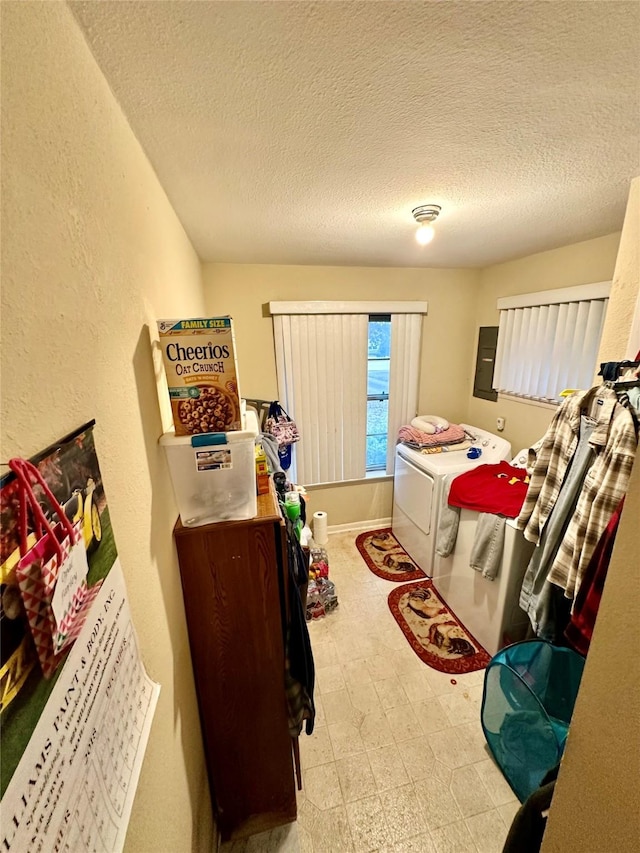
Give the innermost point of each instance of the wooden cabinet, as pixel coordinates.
(231, 583)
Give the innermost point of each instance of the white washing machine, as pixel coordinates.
(417, 490)
(489, 609)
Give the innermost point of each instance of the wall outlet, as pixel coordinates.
(500, 424)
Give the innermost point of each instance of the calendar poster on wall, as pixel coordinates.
(76, 703)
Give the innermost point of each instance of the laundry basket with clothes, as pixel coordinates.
(530, 689)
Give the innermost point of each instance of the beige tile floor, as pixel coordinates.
(397, 761)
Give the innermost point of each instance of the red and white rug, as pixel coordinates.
(433, 631)
(386, 557)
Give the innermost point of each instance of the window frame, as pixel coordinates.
(373, 469)
(580, 294)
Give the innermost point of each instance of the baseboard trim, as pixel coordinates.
(370, 524)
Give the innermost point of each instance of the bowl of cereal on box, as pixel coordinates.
(207, 409)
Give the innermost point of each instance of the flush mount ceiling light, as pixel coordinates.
(424, 216)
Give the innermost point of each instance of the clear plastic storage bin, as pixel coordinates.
(213, 475)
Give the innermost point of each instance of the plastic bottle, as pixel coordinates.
(292, 505)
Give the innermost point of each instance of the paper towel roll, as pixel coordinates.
(320, 535)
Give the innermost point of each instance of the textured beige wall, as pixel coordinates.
(595, 805)
(446, 368)
(581, 263)
(459, 302)
(351, 504)
(243, 289)
(625, 291)
(92, 253)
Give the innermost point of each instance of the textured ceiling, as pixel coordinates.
(305, 132)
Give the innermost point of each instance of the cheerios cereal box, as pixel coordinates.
(200, 362)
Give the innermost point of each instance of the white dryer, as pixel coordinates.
(417, 490)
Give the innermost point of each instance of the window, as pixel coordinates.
(378, 363)
(548, 342)
(348, 375)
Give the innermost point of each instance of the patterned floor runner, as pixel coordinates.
(386, 557)
(434, 633)
(432, 630)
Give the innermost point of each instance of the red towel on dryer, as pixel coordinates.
(498, 489)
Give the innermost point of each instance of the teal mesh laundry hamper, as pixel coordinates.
(530, 689)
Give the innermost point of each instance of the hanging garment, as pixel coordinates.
(614, 442)
(488, 545)
(580, 629)
(633, 395)
(537, 596)
(299, 665)
(498, 489)
(553, 455)
(605, 485)
(488, 540)
(270, 446)
(448, 521)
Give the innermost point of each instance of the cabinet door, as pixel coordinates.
(232, 599)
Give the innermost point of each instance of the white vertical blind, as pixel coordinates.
(321, 361)
(406, 334)
(543, 349)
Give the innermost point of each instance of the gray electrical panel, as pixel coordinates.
(485, 362)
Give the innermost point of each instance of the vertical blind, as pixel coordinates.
(406, 334)
(546, 348)
(321, 362)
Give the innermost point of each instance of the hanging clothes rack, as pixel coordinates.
(621, 377)
(616, 372)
